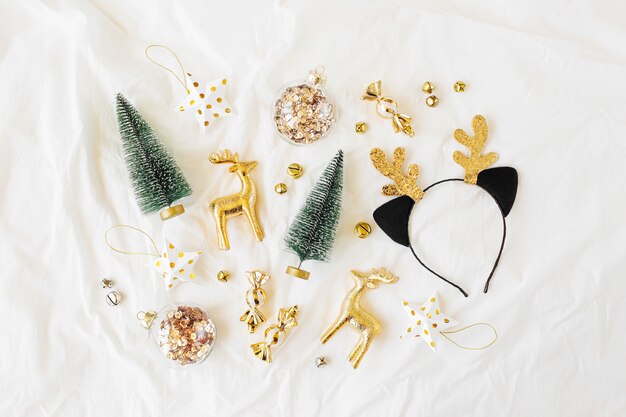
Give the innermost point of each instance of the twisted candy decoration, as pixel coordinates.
(275, 334)
(388, 108)
(255, 297)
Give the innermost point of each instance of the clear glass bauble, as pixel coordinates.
(183, 333)
(302, 112)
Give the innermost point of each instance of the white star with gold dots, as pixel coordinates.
(427, 321)
(174, 265)
(207, 106)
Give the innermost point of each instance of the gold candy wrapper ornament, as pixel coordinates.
(275, 334)
(183, 333)
(352, 313)
(302, 113)
(255, 297)
(388, 109)
(243, 202)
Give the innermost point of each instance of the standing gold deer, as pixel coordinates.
(352, 312)
(233, 205)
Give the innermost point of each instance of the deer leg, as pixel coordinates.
(367, 341)
(356, 348)
(250, 212)
(222, 237)
(333, 329)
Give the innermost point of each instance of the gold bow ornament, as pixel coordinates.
(275, 334)
(388, 108)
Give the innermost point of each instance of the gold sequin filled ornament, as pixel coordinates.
(303, 113)
(183, 333)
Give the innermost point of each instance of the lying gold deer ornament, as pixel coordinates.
(233, 205)
(353, 313)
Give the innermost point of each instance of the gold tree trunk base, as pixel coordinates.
(171, 212)
(298, 273)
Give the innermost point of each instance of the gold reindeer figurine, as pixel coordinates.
(352, 312)
(233, 205)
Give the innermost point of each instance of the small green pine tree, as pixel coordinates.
(157, 180)
(312, 234)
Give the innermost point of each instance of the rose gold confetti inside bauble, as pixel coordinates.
(303, 113)
(184, 334)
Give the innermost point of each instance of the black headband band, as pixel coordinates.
(393, 217)
(499, 183)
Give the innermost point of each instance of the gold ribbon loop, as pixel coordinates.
(183, 82)
(495, 336)
(106, 239)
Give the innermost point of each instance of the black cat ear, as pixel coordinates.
(501, 183)
(393, 218)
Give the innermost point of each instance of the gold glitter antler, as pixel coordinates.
(404, 184)
(226, 157)
(476, 161)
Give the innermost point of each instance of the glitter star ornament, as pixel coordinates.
(208, 104)
(426, 322)
(174, 265)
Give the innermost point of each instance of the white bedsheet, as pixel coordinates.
(549, 76)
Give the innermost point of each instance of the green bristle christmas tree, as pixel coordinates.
(157, 180)
(312, 234)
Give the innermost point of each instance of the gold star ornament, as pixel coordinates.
(174, 265)
(207, 105)
(426, 321)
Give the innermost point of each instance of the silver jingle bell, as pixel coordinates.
(114, 298)
(320, 362)
(106, 283)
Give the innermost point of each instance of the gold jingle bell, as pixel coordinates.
(459, 86)
(295, 170)
(361, 127)
(223, 276)
(172, 212)
(432, 101)
(280, 188)
(362, 230)
(427, 87)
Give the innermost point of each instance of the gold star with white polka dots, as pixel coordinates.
(174, 265)
(427, 321)
(208, 106)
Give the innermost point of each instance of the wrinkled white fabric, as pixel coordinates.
(550, 77)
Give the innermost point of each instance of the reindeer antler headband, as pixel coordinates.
(500, 183)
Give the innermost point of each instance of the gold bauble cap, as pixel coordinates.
(297, 272)
(173, 211)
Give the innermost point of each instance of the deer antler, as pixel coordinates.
(384, 275)
(476, 161)
(404, 184)
(227, 157)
